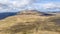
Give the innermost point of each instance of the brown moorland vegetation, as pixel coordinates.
(30, 22)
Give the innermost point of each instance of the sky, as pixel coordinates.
(19, 5)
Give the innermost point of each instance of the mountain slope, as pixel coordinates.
(28, 23)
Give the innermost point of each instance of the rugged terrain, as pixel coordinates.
(30, 22)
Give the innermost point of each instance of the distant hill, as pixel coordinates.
(6, 14)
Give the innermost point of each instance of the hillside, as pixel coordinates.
(29, 22)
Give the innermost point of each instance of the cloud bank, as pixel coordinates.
(18, 5)
(14, 4)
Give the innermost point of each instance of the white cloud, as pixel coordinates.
(28, 4)
(21, 3)
(50, 5)
(1, 8)
(46, 6)
(14, 4)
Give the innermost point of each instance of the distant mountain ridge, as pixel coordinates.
(33, 12)
(6, 14)
(24, 12)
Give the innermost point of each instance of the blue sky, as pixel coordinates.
(18, 5)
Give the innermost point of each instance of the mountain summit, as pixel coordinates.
(30, 12)
(33, 12)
